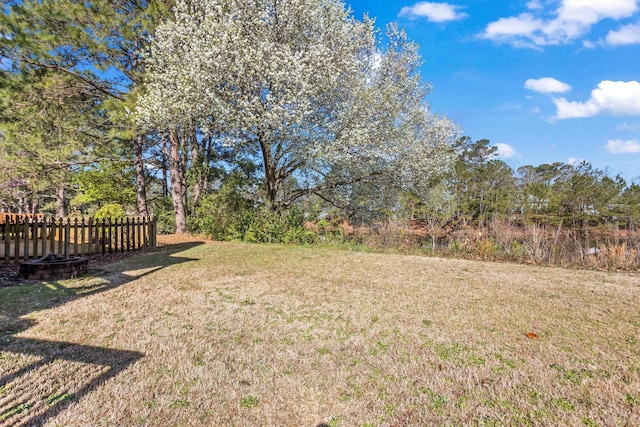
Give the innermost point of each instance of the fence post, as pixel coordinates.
(7, 242)
(16, 246)
(33, 225)
(43, 235)
(25, 238)
(91, 230)
(151, 222)
(125, 235)
(115, 235)
(67, 237)
(60, 235)
(145, 232)
(75, 237)
(82, 236)
(122, 245)
(52, 236)
(133, 234)
(102, 239)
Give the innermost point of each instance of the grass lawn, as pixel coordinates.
(201, 334)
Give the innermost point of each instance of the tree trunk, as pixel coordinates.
(61, 205)
(177, 183)
(141, 191)
(197, 165)
(184, 162)
(34, 205)
(270, 177)
(165, 167)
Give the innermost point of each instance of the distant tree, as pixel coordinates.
(630, 206)
(435, 208)
(539, 201)
(482, 184)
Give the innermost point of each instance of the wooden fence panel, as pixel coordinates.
(25, 238)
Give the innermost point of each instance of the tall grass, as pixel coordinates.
(502, 240)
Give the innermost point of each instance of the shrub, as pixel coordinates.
(165, 219)
(110, 211)
(223, 221)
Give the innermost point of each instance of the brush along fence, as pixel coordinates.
(29, 238)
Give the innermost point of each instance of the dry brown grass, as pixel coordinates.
(259, 335)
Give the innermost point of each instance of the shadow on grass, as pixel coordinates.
(40, 378)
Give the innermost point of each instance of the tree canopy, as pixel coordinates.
(314, 94)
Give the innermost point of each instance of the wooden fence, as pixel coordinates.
(8, 217)
(25, 238)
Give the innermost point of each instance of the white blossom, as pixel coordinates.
(303, 82)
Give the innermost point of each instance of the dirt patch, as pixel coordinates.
(175, 239)
(9, 273)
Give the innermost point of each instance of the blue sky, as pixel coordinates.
(544, 80)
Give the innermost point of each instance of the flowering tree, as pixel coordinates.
(302, 86)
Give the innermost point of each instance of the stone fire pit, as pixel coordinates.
(53, 267)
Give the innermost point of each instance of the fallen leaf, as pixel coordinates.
(532, 335)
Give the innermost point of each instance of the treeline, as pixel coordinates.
(168, 108)
(553, 214)
(550, 214)
(481, 188)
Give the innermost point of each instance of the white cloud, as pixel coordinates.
(434, 12)
(628, 34)
(506, 151)
(534, 4)
(547, 85)
(571, 20)
(614, 98)
(574, 161)
(516, 30)
(618, 146)
(629, 126)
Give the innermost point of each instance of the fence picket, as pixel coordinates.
(17, 241)
(115, 235)
(25, 237)
(7, 242)
(122, 249)
(132, 234)
(60, 235)
(33, 225)
(43, 235)
(75, 237)
(52, 237)
(91, 231)
(82, 237)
